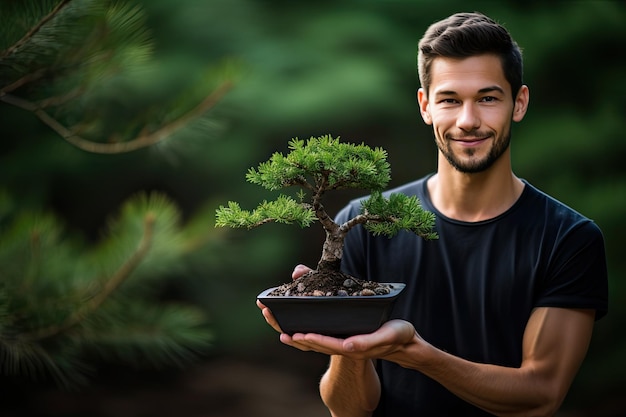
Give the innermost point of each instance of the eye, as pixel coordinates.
(488, 99)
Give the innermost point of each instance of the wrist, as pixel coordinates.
(356, 365)
(416, 354)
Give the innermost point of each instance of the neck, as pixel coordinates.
(475, 197)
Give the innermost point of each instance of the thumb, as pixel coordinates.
(393, 332)
(300, 270)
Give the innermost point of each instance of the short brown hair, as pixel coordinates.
(463, 35)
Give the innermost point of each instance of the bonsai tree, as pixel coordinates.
(317, 166)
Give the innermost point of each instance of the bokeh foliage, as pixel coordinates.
(348, 68)
(63, 298)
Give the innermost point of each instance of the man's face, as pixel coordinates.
(471, 108)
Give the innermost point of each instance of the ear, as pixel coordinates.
(521, 103)
(422, 100)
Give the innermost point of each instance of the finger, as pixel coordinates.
(269, 317)
(288, 340)
(314, 342)
(331, 343)
(393, 332)
(299, 270)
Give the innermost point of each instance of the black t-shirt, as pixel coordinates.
(471, 292)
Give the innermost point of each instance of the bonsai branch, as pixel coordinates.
(302, 182)
(366, 218)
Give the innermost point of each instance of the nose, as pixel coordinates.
(468, 118)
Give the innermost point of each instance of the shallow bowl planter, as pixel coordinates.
(339, 316)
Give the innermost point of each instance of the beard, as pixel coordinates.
(474, 165)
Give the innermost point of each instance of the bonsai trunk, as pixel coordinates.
(327, 279)
(332, 250)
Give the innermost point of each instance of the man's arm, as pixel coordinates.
(555, 344)
(350, 387)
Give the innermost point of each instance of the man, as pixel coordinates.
(498, 312)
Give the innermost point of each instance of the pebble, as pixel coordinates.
(367, 292)
(349, 283)
(382, 290)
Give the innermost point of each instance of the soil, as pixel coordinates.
(330, 283)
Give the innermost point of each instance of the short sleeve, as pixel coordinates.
(577, 275)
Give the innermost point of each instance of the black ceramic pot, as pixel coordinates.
(339, 316)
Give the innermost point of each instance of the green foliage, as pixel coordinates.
(130, 329)
(396, 213)
(73, 64)
(322, 164)
(78, 67)
(283, 210)
(61, 299)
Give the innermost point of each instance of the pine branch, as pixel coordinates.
(28, 78)
(35, 29)
(178, 331)
(139, 142)
(282, 210)
(123, 36)
(110, 286)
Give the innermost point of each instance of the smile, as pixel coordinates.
(470, 141)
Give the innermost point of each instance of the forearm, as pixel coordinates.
(350, 388)
(499, 390)
(555, 343)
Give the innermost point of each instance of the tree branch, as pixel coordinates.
(24, 80)
(35, 29)
(360, 219)
(139, 142)
(301, 181)
(111, 285)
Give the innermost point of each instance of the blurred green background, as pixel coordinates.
(348, 68)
